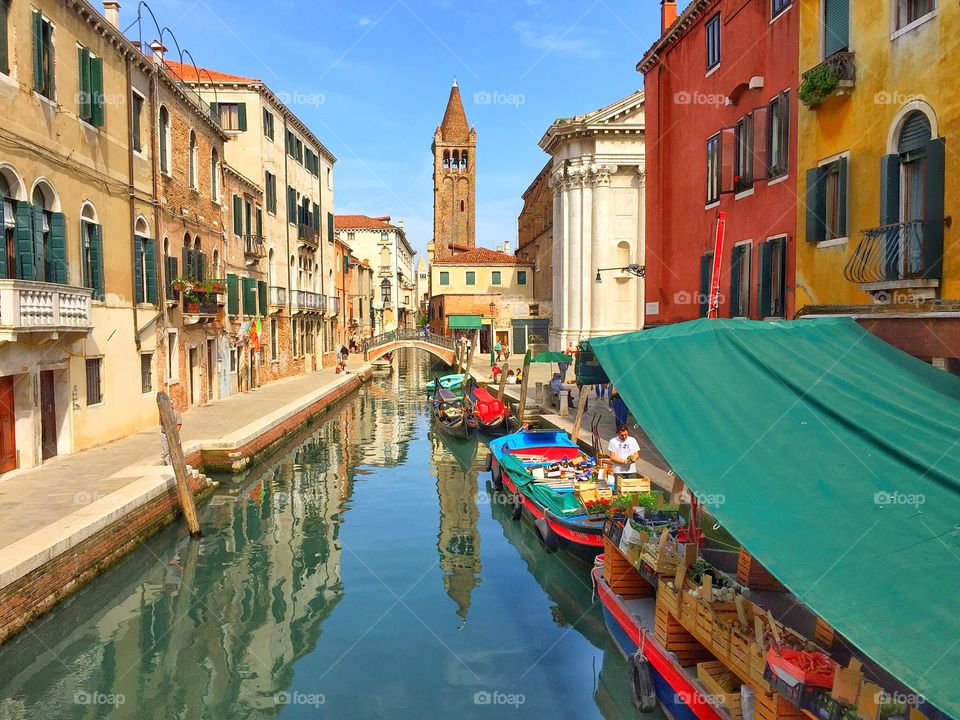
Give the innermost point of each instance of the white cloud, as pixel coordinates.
(565, 41)
(365, 21)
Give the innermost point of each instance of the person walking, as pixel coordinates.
(344, 354)
(498, 348)
(619, 407)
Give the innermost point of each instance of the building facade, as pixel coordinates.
(597, 180)
(384, 246)
(877, 178)
(535, 233)
(454, 180)
(726, 72)
(361, 298)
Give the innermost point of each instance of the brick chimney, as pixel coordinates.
(111, 11)
(668, 14)
(158, 51)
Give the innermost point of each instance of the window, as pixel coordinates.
(740, 281)
(299, 150)
(909, 11)
(215, 175)
(444, 277)
(4, 52)
(771, 283)
(706, 276)
(194, 182)
(144, 264)
(164, 123)
(521, 277)
(137, 139)
(836, 26)
(471, 277)
(293, 207)
(43, 56)
(294, 336)
(270, 183)
(779, 6)
(713, 41)
(713, 169)
(826, 201)
(743, 154)
(233, 116)
(534, 309)
(385, 292)
(94, 381)
(268, 124)
(329, 179)
(273, 338)
(495, 277)
(778, 136)
(146, 373)
(90, 93)
(91, 235)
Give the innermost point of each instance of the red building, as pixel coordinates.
(721, 123)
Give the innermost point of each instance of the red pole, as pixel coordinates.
(714, 306)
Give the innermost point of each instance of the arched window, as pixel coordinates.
(164, 132)
(293, 264)
(463, 160)
(456, 160)
(915, 185)
(194, 181)
(385, 292)
(462, 206)
(91, 250)
(446, 159)
(145, 263)
(215, 266)
(215, 175)
(271, 268)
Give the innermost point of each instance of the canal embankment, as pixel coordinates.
(76, 515)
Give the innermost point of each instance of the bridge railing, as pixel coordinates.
(406, 334)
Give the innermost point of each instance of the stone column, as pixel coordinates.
(641, 247)
(601, 254)
(557, 256)
(573, 236)
(584, 276)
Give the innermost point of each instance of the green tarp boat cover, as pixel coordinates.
(833, 457)
(552, 357)
(563, 504)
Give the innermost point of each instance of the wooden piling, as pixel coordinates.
(168, 423)
(523, 387)
(581, 407)
(470, 353)
(503, 381)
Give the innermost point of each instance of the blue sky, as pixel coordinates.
(371, 79)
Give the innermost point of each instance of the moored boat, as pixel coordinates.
(451, 414)
(492, 415)
(453, 383)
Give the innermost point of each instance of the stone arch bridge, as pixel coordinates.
(440, 346)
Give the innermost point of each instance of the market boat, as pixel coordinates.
(451, 414)
(540, 469)
(449, 382)
(492, 415)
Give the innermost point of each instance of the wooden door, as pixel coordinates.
(194, 365)
(8, 445)
(211, 369)
(48, 415)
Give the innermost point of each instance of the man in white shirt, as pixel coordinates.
(624, 451)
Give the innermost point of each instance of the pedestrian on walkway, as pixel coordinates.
(619, 407)
(165, 445)
(344, 354)
(599, 389)
(624, 452)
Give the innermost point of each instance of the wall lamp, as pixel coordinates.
(632, 269)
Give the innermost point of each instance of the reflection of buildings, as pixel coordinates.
(459, 539)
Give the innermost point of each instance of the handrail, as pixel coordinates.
(401, 334)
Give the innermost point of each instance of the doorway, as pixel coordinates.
(211, 368)
(194, 364)
(8, 444)
(252, 368)
(48, 415)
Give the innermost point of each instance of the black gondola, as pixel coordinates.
(452, 415)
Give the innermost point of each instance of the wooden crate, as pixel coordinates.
(723, 685)
(773, 706)
(722, 630)
(622, 577)
(758, 663)
(739, 657)
(675, 638)
(669, 599)
(823, 634)
(753, 575)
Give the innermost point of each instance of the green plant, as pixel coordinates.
(818, 84)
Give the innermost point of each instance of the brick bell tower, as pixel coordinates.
(454, 181)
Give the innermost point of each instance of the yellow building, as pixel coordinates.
(880, 180)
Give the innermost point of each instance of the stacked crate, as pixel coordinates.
(772, 706)
(753, 575)
(676, 639)
(622, 577)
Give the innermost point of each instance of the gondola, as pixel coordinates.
(451, 414)
(493, 416)
(453, 383)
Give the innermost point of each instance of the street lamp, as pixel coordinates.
(631, 269)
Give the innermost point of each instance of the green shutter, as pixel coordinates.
(816, 204)
(736, 267)
(171, 274)
(889, 189)
(836, 26)
(247, 211)
(233, 298)
(39, 259)
(85, 95)
(38, 51)
(4, 50)
(96, 261)
(764, 278)
(138, 268)
(96, 88)
(237, 215)
(842, 165)
(57, 249)
(329, 227)
(934, 210)
(249, 296)
(262, 296)
(706, 271)
(150, 268)
(3, 252)
(23, 234)
(242, 116)
(215, 111)
(259, 222)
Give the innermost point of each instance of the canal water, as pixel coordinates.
(364, 570)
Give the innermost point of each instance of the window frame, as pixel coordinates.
(778, 110)
(778, 267)
(744, 154)
(268, 124)
(779, 7)
(233, 112)
(143, 389)
(521, 277)
(708, 28)
(49, 91)
(444, 278)
(496, 277)
(100, 394)
(193, 158)
(716, 172)
(136, 139)
(745, 249)
(164, 139)
(909, 24)
(470, 277)
(173, 357)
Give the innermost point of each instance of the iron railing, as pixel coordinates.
(376, 341)
(278, 296)
(889, 253)
(253, 246)
(843, 66)
(333, 304)
(307, 233)
(306, 300)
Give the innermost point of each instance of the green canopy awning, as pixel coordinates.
(464, 322)
(552, 357)
(833, 457)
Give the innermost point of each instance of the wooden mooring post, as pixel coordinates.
(581, 407)
(523, 387)
(168, 423)
(503, 381)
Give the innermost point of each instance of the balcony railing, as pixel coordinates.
(307, 234)
(841, 65)
(306, 301)
(277, 296)
(31, 306)
(386, 271)
(254, 247)
(892, 253)
(333, 304)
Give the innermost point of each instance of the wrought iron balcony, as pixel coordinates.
(307, 234)
(254, 247)
(333, 304)
(306, 301)
(277, 296)
(841, 65)
(28, 306)
(892, 253)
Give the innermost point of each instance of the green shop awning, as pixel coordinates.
(552, 357)
(463, 322)
(833, 457)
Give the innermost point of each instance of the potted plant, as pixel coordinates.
(180, 284)
(597, 507)
(818, 84)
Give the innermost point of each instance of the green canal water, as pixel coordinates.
(364, 570)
